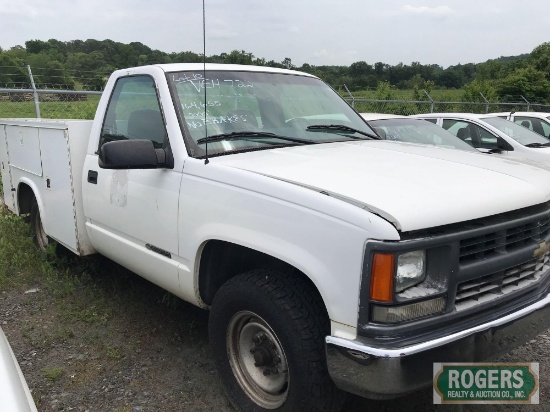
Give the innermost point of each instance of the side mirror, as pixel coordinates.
(133, 154)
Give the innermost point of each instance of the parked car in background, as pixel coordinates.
(14, 392)
(407, 129)
(538, 122)
(491, 134)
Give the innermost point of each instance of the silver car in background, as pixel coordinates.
(407, 129)
(491, 134)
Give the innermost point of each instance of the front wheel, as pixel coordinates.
(267, 333)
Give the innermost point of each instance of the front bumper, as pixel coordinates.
(377, 373)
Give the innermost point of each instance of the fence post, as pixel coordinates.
(486, 102)
(431, 100)
(35, 93)
(526, 101)
(350, 95)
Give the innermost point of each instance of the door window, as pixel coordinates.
(524, 121)
(535, 124)
(475, 135)
(134, 113)
(461, 129)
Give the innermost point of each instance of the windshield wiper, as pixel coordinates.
(254, 135)
(341, 128)
(538, 144)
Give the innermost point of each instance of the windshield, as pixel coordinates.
(519, 133)
(284, 105)
(418, 131)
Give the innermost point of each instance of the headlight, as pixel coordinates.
(403, 288)
(395, 273)
(411, 269)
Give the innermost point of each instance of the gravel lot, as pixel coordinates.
(132, 352)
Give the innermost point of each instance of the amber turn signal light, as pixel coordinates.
(382, 274)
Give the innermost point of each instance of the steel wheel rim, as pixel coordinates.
(253, 348)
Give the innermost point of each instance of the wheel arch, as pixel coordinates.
(221, 260)
(26, 192)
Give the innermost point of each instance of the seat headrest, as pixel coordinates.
(146, 124)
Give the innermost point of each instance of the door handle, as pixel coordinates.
(92, 177)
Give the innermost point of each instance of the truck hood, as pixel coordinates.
(412, 186)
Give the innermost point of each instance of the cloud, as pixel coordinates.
(324, 56)
(294, 30)
(219, 28)
(427, 11)
(321, 53)
(22, 11)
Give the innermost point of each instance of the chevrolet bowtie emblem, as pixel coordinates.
(543, 248)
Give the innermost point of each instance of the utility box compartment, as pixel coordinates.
(5, 169)
(47, 156)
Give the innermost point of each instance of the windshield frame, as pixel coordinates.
(341, 107)
(522, 135)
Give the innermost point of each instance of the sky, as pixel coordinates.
(318, 32)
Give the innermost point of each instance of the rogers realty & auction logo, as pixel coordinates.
(486, 383)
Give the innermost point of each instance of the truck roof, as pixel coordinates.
(178, 67)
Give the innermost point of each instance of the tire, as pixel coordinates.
(39, 237)
(264, 320)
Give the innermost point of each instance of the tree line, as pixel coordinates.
(86, 64)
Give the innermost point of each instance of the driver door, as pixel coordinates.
(132, 214)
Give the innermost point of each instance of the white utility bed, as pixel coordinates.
(47, 155)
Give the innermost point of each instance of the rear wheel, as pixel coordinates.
(267, 333)
(39, 237)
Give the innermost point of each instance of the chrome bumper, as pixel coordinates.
(387, 373)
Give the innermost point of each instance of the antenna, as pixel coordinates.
(206, 161)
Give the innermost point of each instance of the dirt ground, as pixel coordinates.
(131, 350)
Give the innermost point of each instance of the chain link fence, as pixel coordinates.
(410, 106)
(58, 93)
(51, 92)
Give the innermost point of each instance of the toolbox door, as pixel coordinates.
(5, 170)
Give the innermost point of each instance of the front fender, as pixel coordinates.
(314, 233)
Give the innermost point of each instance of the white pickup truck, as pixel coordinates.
(330, 259)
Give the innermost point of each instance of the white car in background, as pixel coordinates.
(407, 129)
(14, 392)
(491, 134)
(538, 122)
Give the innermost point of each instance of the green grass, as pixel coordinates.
(51, 110)
(53, 374)
(445, 100)
(452, 95)
(20, 262)
(86, 109)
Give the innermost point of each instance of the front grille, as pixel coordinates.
(506, 240)
(487, 288)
